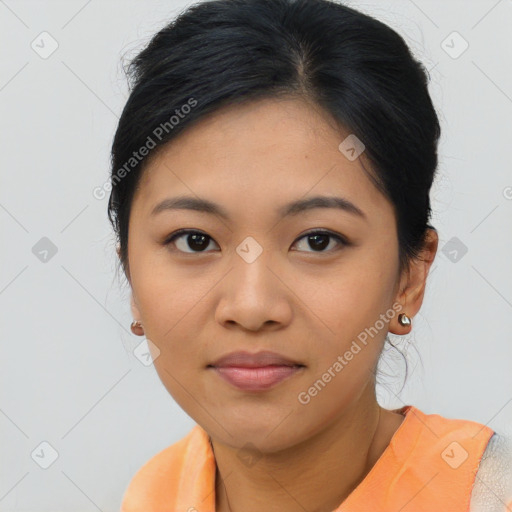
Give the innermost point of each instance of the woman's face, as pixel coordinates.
(255, 282)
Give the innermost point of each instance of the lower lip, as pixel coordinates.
(256, 379)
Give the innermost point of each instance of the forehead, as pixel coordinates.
(259, 155)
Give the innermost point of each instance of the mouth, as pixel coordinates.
(255, 371)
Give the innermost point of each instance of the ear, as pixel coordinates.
(137, 329)
(413, 282)
(134, 308)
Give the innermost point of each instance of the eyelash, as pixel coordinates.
(342, 241)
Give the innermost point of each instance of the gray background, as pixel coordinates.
(69, 374)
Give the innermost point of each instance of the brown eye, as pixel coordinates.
(189, 241)
(319, 240)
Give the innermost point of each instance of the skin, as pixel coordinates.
(306, 304)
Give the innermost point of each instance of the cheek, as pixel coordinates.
(348, 313)
(169, 304)
(166, 293)
(349, 299)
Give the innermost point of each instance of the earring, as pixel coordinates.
(137, 328)
(404, 320)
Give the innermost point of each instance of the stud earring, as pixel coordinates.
(137, 328)
(404, 320)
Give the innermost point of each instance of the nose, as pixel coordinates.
(254, 296)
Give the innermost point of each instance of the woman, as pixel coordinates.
(270, 193)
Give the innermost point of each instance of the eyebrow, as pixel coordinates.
(293, 208)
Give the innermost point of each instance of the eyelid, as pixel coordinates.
(183, 231)
(323, 231)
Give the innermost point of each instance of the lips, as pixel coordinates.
(243, 359)
(255, 372)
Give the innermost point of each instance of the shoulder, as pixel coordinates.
(481, 457)
(443, 451)
(159, 474)
(441, 432)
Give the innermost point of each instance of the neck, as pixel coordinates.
(315, 475)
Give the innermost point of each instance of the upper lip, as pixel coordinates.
(254, 360)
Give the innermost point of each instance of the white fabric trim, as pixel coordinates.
(492, 490)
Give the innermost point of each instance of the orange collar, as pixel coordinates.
(429, 464)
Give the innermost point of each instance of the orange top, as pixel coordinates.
(429, 465)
